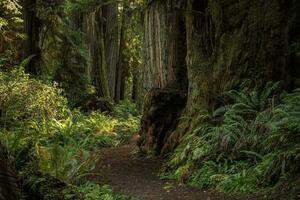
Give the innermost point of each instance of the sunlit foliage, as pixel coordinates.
(45, 138)
(11, 35)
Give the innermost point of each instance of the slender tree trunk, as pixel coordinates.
(32, 29)
(111, 38)
(134, 92)
(121, 67)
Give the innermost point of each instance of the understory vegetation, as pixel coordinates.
(74, 75)
(247, 146)
(53, 148)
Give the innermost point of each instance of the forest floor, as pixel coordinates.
(129, 173)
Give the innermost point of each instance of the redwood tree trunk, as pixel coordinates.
(121, 66)
(32, 27)
(226, 43)
(101, 28)
(163, 77)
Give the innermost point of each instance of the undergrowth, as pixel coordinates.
(93, 191)
(248, 146)
(51, 145)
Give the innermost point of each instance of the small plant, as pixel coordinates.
(92, 191)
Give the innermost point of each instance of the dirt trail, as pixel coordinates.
(130, 174)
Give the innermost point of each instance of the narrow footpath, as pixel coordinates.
(137, 176)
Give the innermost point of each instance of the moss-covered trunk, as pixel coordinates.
(56, 42)
(227, 42)
(230, 42)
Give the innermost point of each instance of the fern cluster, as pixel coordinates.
(245, 146)
(47, 142)
(92, 191)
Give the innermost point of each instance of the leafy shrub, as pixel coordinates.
(11, 32)
(128, 119)
(25, 99)
(253, 142)
(126, 109)
(47, 140)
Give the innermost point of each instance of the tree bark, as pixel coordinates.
(32, 27)
(164, 72)
(226, 43)
(121, 67)
(162, 109)
(101, 28)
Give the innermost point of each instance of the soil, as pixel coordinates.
(128, 173)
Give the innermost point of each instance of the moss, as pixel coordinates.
(227, 43)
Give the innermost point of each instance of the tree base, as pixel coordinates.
(162, 110)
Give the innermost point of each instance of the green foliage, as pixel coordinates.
(81, 4)
(24, 99)
(131, 40)
(126, 109)
(244, 146)
(92, 191)
(128, 118)
(62, 49)
(44, 138)
(11, 36)
(11, 11)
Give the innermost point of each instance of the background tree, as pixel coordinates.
(11, 33)
(131, 42)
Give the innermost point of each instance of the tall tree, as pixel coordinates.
(11, 33)
(130, 46)
(100, 25)
(32, 29)
(225, 44)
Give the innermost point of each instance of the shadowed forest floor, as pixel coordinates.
(128, 173)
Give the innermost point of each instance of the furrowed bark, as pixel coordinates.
(226, 43)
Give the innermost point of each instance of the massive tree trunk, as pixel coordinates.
(162, 109)
(164, 47)
(227, 42)
(164, 70)
(101, 28)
